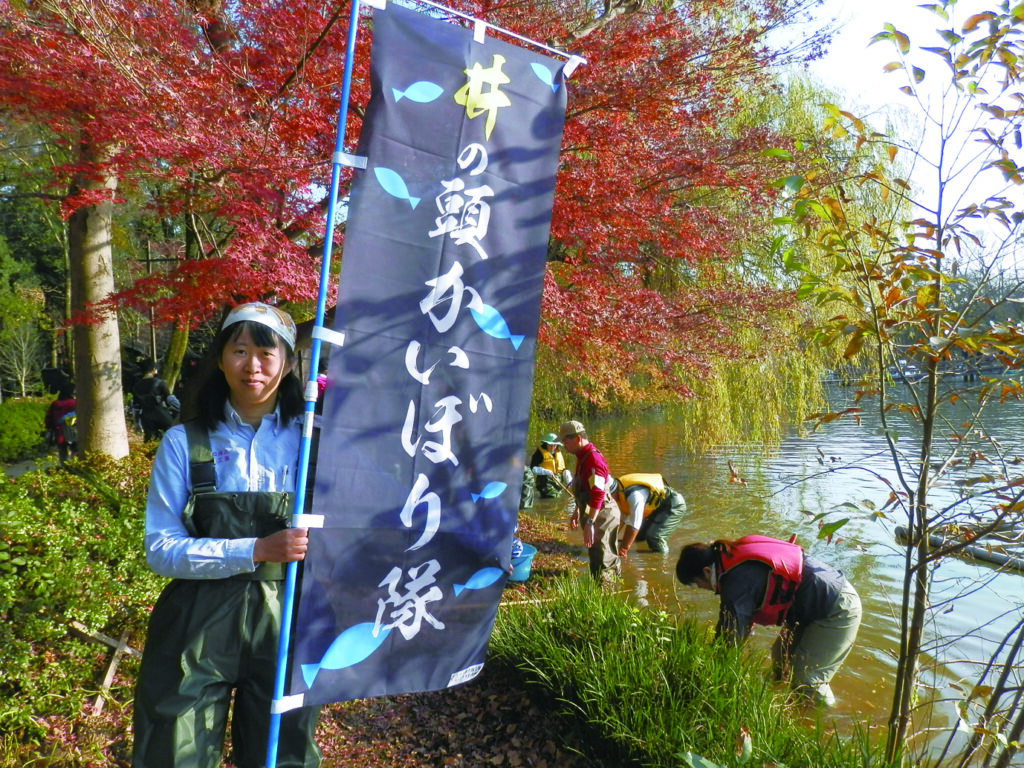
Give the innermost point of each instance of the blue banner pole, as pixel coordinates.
(291, 574)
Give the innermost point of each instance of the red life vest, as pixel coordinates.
(787, 563)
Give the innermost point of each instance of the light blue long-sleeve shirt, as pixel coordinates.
(245, 459)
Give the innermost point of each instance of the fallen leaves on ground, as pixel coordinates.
(492, 720)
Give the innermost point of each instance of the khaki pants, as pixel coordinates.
(814, 653)
(604, 557)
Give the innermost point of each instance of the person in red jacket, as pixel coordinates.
(594, 509)
(771, 582)
(53, 421)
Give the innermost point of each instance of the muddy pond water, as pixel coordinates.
(780, 491)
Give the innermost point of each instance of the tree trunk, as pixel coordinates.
(175, 354)
(918, 566)
(67, 337)
(910, 651)
(97, 345)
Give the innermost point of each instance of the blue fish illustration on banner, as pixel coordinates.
(393, 183)
(420, 91)
(491, 322)
(491, 491)
(423, 428)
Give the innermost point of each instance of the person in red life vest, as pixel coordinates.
(762, 580)
(593, 510)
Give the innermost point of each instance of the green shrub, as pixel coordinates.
(21, 428)
(70, 551)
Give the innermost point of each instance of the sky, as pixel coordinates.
(856, 68)
(851, 63)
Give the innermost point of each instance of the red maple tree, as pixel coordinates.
(660, 183)
(221, 117)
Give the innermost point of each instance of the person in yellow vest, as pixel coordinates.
(650, 510)
(548, 464)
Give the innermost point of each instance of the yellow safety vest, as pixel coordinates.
(553, 461)
(654, 482)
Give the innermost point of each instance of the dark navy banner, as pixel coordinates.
(424, 421)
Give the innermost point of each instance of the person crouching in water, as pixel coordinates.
(650, 510)
(767, 581)
(548, 464)
(217, 523)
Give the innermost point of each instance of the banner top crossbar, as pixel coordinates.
(576, 60)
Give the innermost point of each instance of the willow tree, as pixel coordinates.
(754, 397)
(899, 291)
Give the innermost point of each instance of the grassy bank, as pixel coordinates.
(576, 678)
(658, 691)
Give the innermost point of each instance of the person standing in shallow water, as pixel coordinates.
(217, 516)
(594, 510)
(768, 581)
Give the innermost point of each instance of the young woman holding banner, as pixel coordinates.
(217, 515)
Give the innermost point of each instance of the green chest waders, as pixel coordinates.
(210, 637)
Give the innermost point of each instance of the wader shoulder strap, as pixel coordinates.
(200, 457)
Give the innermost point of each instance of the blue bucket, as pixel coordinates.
(521, 564)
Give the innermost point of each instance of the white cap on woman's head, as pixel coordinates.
(275, 319)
